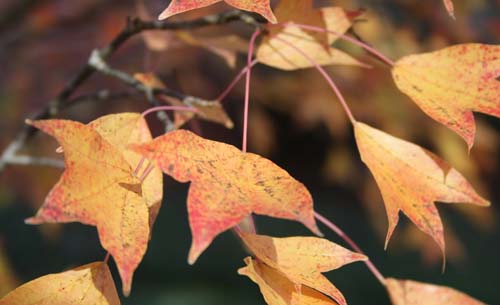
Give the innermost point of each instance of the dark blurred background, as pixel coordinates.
(295, 121)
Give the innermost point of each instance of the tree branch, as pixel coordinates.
(132, 27)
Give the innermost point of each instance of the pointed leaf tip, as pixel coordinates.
(303, 259)
(245, 182)
(123, 224)
(411, 179)
(262, 7)
(452, 83)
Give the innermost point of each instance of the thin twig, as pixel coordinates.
(327, 77)
(359, 43)
(235, 81)
(133, 26)
(247, 88)
(352, 244)
(34, 161)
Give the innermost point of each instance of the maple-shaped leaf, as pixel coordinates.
(302, 259)
(449, 84)
(210, 111)
(411, 179)
(276, 53)
(406, 292)
(89, 284)
(98, 188)
(277, 289)
(227, 185)
(262, 7)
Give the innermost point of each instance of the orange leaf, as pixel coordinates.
(411, 179)
(405, 292)
(276, 53)
(277, 289)
(98, 188)
(262, 7)
(227, 185)
(89, 284)
(451, 83)
(302, 259)
(121, 130)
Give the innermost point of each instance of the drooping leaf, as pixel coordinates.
(302, 259)
(406, 292)
(210, 111)
(276, 53)
(227, 185)
(98, 188)
(411, 179)
(277, 289)
(89, 284)
(262, 7)
(449, 84)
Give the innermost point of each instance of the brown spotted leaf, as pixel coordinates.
(411, 179)
(98, 188)
(406, 292)
(277, 289)
(449, 84)
(227, 185)
(89, 284)
(302, 259)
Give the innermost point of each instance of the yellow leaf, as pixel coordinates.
(449, 84)
(276, 53)
(98, 188)
(89, 284)
(122, 130)
(277, 289)
(411, 179)
(405, 292)
(302, 259)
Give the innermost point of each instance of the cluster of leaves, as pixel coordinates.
(113, 175)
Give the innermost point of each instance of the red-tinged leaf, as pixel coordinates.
(302, 259)
(98, 188)
(406, 292)
(89, 284)
(276, 53)
(411, 179)
(277, 289)
(227, 185)
(449, 84)
(262, 7)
